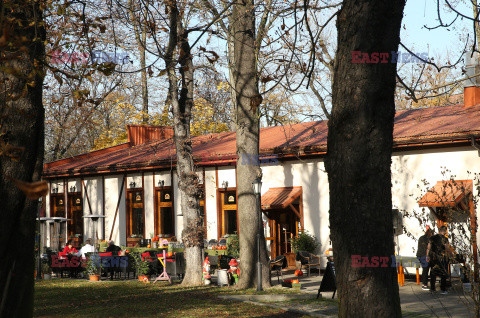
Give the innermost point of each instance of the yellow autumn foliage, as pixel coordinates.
(204, 119)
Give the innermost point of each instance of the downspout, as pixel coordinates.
(475, 144)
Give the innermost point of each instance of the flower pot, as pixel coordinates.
(94, 278)
(47, 276)
(142, 278)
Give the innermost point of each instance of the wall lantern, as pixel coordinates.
(132, 184)
(55, 190)
(161, 183)
(257, 186)
(73, 189)
(225, 185)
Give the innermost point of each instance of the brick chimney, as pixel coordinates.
(471, 89)
(140, 134)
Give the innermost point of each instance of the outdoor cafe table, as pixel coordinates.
(215, 252)
(407, 261)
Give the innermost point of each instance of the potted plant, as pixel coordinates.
(93, 268)
(141, 267)
(47, 271)
(305, 242)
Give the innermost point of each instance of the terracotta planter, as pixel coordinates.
(142, 278)
(94, 278)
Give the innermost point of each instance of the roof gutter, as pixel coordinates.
(291, 153)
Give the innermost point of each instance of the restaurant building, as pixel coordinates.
(134, 185)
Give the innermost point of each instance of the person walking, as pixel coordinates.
(422, 255)
(438, 251)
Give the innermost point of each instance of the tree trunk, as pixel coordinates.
(21, 125)
(231, 77)
(248, 101)
(141, 39)
(476, 25)
(193, 232)
(143, 66)
(360, 138)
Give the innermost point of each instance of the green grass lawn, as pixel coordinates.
(82, 298)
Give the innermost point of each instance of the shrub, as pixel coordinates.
(94, 265)
(305, 242)
(233, 246)
(46, 269)
(140, 266)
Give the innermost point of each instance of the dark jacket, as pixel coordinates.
(438, 250)
(422, 246)
(114, 249)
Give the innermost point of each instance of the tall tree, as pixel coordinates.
(182, 104)
(248, 101)
(139, 29)
(360, 139)
(22, 49)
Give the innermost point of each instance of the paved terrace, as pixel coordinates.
(415, 301)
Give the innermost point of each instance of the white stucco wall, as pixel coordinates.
(94, 189)
(137, 178)
(46, 228)
(211, 203)
(58, 184)
(227, 174)
(165, 176)
(148, 205)
(113, 184)
(408, 171)
(311, 176)
(74, 183)
(178, 209)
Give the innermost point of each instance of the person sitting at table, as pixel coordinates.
(69, 249)
(87, 248)
(113, 248)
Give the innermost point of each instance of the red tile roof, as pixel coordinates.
(415, 126)
(447, 193)
(280, 198)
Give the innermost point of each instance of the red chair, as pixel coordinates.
(107, 254)
(109, 269)
(60, 269)
(147, 257)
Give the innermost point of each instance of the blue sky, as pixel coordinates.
(417, 38)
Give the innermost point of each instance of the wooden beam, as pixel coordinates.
(295, 211)
(86, 195)
(118, 205)
(300, 205)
